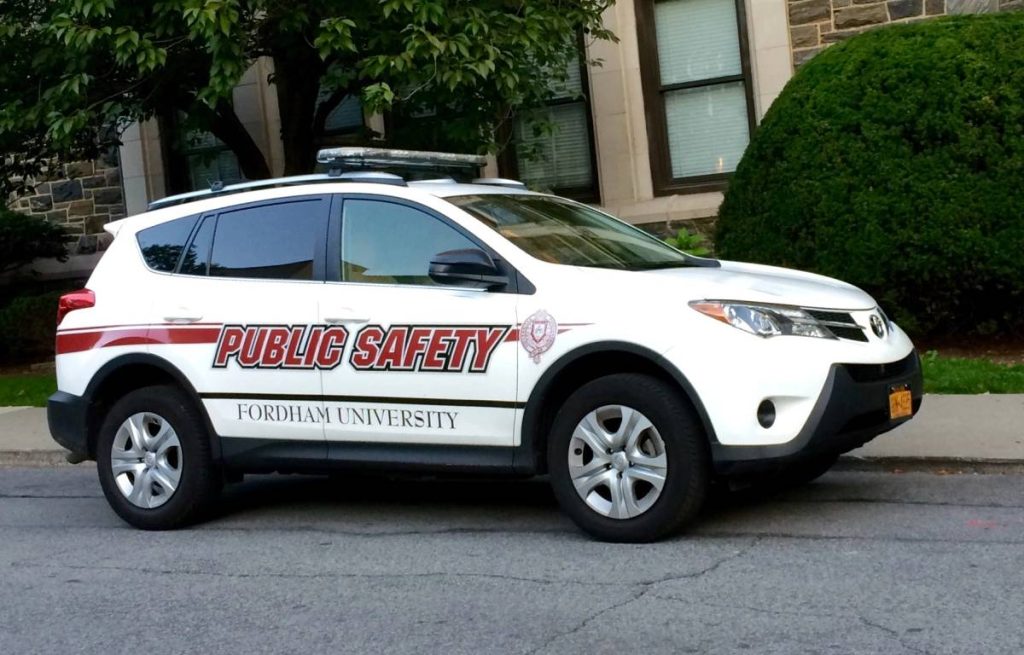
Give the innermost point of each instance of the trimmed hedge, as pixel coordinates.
(28, 327)
(895, 161)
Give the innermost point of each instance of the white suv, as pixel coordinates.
(356, 321)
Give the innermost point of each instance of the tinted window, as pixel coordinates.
(162, 244)
(387, 243)
(197, 255)
(269, 241)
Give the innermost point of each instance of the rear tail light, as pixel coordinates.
(69, 302)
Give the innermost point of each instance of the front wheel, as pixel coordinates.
(628, 459)
(154, 460)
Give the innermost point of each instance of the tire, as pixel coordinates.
(181, 482)
(674, 437)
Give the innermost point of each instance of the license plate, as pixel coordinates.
(901, 404)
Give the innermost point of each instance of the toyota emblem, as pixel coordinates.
(877, 326)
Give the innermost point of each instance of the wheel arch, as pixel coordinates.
(134, 371)
(579, 366)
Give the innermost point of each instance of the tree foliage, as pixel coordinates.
(894, 161)
(75, 68)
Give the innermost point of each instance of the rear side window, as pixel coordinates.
(274, 241)
(162, 244)
(197, 255)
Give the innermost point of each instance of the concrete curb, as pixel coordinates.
(34, 459)
(937, 465)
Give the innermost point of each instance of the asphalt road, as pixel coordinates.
(856, 563)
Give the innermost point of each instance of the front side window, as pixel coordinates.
(389, 243)
(273, 241)
(162, 244)
(561, 231)
(697, 84)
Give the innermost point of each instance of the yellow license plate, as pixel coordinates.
(901, 404)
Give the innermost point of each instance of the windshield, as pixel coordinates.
(565, 232)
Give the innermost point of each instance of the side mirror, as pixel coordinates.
(470, 267)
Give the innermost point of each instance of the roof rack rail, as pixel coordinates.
(218, 188)
(500, 181)
(369, 158)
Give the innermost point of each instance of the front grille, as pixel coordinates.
(877, 372)
(841, 324)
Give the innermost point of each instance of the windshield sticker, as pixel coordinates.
(537, 334)
(451, 349)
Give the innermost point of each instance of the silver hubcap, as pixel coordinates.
(146, 460)
(617, 462)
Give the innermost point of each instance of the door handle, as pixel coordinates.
(345, 315)
(183, 315)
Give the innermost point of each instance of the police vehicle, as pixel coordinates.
(359, 320)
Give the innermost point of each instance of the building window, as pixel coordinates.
(553, 147)
(697, 91)
(345, 118)
(208, 160)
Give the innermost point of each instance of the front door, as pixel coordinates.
(427, 364)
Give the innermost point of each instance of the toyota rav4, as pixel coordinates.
(354, 320)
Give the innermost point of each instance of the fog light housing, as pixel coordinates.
(766, 414)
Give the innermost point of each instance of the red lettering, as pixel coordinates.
(252, 347)
(273, 354)
(331, 347)
(417, 345)
(487, 339)
(229, 344)
(367, 347)
(391, 352)
(462, 338)
(312, 345)
(292, 359)
(434, 358)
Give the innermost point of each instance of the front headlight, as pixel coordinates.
(764, 320)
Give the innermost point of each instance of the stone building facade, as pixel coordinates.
(816, 24)
(81, 196)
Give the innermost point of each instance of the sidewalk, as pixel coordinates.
(953, 428)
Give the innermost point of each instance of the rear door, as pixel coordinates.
(238, 316)
(428, 364)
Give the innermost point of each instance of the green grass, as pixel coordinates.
(960, 375)
(26, 390)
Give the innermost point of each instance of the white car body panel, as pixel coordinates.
(731, 371)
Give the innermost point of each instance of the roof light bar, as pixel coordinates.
(368, 158)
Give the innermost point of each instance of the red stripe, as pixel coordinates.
(79, 341)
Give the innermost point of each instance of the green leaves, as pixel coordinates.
(449, 72)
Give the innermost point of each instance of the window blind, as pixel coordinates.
(697, 40)
(708, 128)
(559, 159)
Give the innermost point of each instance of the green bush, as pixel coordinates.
(895, 161)
(24, 238)
(692, 243)
(28, 327)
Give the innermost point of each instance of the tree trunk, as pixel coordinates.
(228, 128)
(297, 78)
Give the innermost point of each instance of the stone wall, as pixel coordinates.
(82, 196)
(816, 24)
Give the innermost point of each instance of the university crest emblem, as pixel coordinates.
(537, 334)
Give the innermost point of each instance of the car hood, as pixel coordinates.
(740, 281)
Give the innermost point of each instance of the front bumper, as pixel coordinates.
(67, 417)
(852, 409)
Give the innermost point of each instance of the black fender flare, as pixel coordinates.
(147, 359)
(526, 453)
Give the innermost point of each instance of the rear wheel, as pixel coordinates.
(154, 460)
(628, 459)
